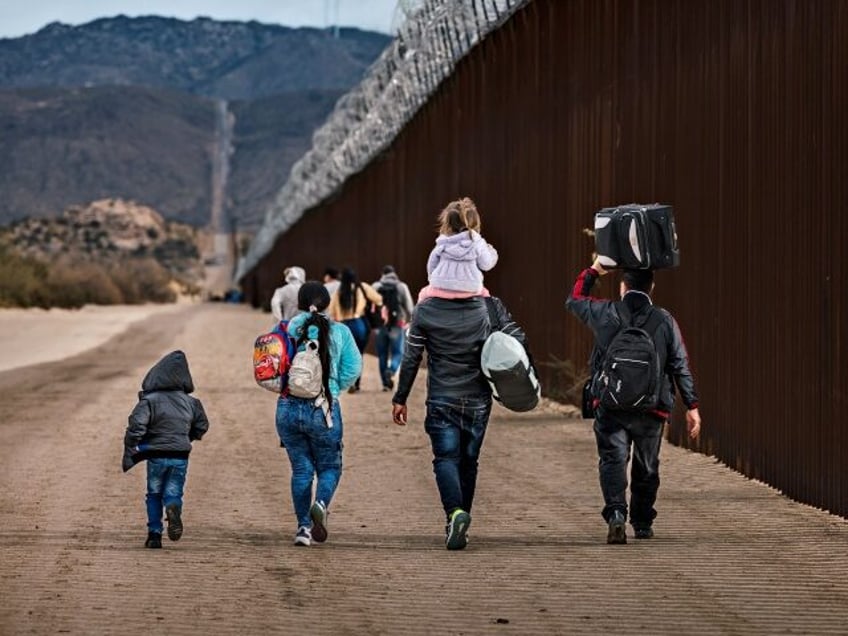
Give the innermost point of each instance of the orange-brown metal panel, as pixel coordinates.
(735, 112)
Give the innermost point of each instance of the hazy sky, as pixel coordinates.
(19, 18)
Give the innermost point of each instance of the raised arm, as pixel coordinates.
(580, 301)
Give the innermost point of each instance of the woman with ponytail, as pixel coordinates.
(311, 429)
(348, 306)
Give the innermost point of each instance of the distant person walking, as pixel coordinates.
(456, 264)
(397, 312)
(331, 280)
(311, 429)
(284, 300)
(347, 305)
(160, 430)
(622, 426)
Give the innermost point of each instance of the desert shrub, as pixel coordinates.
(567, 380)
(22, 281)
(72, 285)
(143, 280)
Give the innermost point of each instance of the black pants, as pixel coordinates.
(615, 433)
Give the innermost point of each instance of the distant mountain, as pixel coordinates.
(61, 147)
(130, 108)
(227, 60)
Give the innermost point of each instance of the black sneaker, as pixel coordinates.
(175, 522)
(456, 529)
(643, 532)
(154, 540)
(617, 532)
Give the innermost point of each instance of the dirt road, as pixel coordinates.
(731, 556)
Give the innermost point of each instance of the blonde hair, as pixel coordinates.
(458, 216)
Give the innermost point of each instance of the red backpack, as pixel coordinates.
(272, 355)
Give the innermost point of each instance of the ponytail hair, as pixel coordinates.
(459, 216)
(314, 298)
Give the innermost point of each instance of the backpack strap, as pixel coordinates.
(649, 324)
(493, 315)
(623, 312)
(652, 322)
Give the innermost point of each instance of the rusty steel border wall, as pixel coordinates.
(733, 111)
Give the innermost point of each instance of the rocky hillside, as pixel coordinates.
(127, 108)
(107, 232)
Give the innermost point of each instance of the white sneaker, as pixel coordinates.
(303, 536)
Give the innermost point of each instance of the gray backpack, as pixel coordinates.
(306, 373)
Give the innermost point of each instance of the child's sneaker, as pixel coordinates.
(154, 540)
(303, 536)
(457, 527)
(175, 522)
(319, 513)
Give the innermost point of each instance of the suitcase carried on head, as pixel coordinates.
(636, 237)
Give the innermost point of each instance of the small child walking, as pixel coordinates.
(160, 430)
(456, 265)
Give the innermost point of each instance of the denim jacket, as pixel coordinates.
(345, 359)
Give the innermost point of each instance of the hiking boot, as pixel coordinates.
(456, 528)
(643, 532)
(154, 540)
(175, 522)
(617, 532)
(319, 513)
(303, 536)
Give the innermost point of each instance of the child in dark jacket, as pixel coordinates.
(160, 430)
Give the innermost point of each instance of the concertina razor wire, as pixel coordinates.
(431, 39)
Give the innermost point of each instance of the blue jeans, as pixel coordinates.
(165, 483)
(389, 344)
(615, 433)
(360, 330)
(313, 448)
(456, 427)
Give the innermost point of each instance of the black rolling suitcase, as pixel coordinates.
(636, 237)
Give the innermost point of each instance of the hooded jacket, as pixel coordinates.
(458, 261)
(603, 319)
(166, 418)
(284, 300)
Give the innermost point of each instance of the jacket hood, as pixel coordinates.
(169, 374)
(391, 278)
(296, 274)
(295, 327)
(459, 247)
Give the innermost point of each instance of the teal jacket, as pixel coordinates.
(345, 359)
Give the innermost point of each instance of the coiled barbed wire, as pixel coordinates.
(431, 38)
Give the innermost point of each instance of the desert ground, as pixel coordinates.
(730, 555)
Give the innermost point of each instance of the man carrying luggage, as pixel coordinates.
(638, 422)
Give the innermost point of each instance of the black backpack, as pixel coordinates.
(630, 376)
(391, 304)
